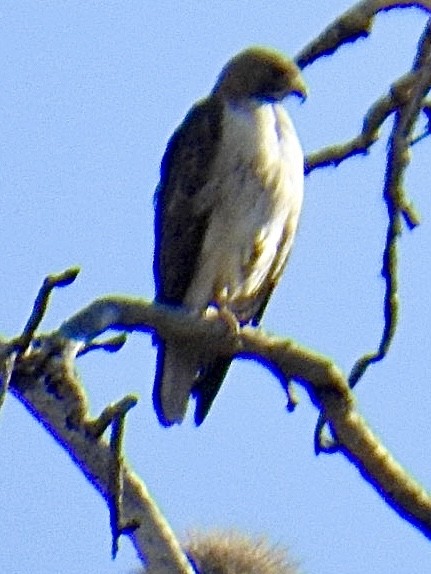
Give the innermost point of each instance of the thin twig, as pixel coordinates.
(115, 500)
(97, 427)
(112, 345)
(398, 206)
(356, 22)
(41, 303)
(115, 416)
(375, 117)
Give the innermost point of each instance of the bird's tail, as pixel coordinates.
(207, 387)
(176, 373)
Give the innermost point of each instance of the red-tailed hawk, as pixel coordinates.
(227, 209)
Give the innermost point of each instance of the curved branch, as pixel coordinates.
(45, 382)
(327, 387)
(394, 195)
(399, 93)
(355, 23)
(41, 304)
(335, 154)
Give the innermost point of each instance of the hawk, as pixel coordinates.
(226, 213)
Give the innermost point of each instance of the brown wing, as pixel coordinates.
(181, 216)
(180, 221)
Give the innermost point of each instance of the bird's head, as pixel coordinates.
(260, 73)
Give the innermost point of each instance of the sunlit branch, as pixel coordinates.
(356, 22)
(43, 378)
(114, 415)
(41, 303)
(376, 115)
(116, 485)
(394, 194)
(45, 382)
(326, 385)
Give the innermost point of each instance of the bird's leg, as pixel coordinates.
(220, 310)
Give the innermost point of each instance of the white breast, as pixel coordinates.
(257, 188)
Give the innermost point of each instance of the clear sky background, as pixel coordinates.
(90, 93)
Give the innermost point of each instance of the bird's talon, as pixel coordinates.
(230, 320)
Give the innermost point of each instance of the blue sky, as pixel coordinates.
(91, 91)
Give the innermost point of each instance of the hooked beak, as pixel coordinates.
(299, 88)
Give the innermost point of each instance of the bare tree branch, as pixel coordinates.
(395, 197)
(355, 23)
(41, 303)
(116, 487)
(328, 388)
(375, 117)
(45, 382)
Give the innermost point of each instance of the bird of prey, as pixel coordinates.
(226, 213)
